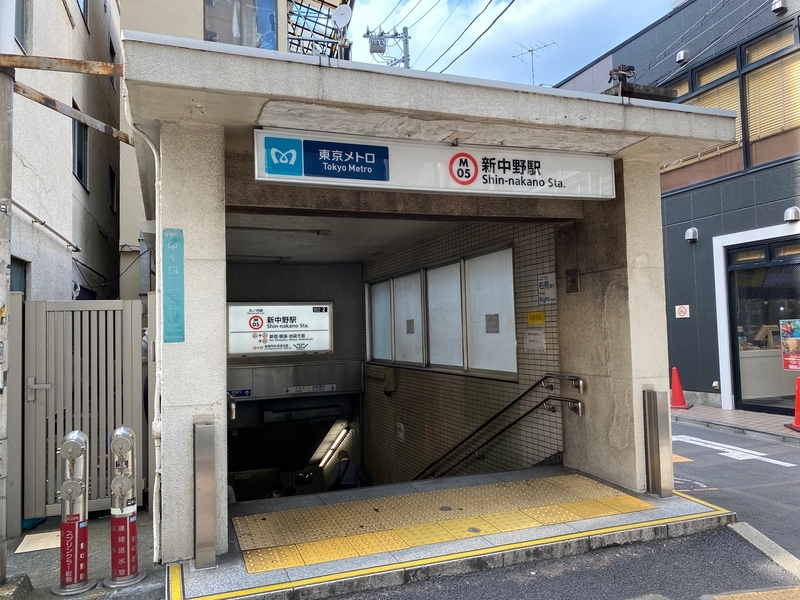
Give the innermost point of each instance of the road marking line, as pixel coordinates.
(778, 554)
(731, 451)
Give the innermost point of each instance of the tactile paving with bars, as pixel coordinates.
(322, 533)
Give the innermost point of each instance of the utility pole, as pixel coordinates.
(377, 45)
(7, 21)
(532, 52)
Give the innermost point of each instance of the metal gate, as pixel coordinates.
(83, 370)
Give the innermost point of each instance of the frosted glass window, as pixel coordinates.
(491, 328)
(444, 316)
(381, 326)
(408, 319)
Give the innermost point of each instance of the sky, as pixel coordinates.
(582, 30)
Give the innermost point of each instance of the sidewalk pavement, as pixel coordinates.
(761, 425)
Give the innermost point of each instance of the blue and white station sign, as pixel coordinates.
(284, 156)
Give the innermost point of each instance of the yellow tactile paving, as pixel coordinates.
(326, 550)
(421, 535)
(589, 509)
(551, 515)
(428, 517)
(780, 594)
(375, 543)
(469, 527)
(511, 521)
(270, 559)
(626, 504)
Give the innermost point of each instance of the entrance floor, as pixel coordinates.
(386, 535)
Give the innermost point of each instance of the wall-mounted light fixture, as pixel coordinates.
(691, 235)
(791, 214)
(334, 446)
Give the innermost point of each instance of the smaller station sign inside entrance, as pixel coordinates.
(303, 328)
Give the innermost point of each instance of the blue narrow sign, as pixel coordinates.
(345, 161)
(172, 268)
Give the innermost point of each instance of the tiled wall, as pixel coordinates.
(438, 409)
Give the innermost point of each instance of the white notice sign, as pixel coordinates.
(534, 339)
(682, 311)
(547, 288)
(302, 328)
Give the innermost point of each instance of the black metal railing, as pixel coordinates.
(576, 382)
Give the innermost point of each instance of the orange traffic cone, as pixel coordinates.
(796, 425)
(678, 401)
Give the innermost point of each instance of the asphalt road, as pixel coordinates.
(759, 489)
(759, 480)
(704, 564)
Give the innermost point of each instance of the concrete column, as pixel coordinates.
(193, 372)
(613, 332)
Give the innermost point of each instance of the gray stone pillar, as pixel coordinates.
(613, 332)
(193, 372)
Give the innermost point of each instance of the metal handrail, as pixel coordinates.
(576, 382)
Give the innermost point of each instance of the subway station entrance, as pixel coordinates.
(379, 261)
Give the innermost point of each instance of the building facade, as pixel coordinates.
(447, 301)
(66, 174)
(731, 248)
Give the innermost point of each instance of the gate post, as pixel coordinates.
(124, 538)
(74, 514)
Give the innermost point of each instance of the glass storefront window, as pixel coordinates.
(242, 23)
(762, 298)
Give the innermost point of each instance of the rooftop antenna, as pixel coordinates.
(341, 19)
(533, 52)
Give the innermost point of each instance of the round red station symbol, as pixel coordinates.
(463, 168)
(256, 322)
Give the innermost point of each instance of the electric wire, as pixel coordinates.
(389, 15)
(713, 42)
(437, 32)
(666, 53)
(497, 18)
(426, 13)
(406, 15)
(461, 35)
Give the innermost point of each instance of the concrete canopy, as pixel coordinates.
(176, 79)
(181, 80)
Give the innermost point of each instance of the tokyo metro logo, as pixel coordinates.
(283, 156)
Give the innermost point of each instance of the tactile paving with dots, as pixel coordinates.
(469, 527)
(506, 506)
(375, 543)
(270, 559)
(326, 550)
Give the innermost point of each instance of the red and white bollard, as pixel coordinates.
(124, 537)
(74, 514)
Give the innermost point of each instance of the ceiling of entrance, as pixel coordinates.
(275, 238)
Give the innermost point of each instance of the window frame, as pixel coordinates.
(741, 75)
(83, 8)
(21, 36)
(427, 365)
(80, 146)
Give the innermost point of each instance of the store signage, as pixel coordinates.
(283, 156)
(302, 328)
(790, 344)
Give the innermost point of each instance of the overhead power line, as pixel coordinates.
(461, 35)
(437, 31)
(426, 13)
(510, 4)
(389, 15)
(405, 16)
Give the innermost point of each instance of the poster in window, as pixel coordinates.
(790, 344)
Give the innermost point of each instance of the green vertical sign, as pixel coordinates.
(172, 269)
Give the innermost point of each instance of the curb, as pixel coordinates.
(793, 440)
(580, 544)
(16, 587)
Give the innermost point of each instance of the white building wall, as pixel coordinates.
(42, 170)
